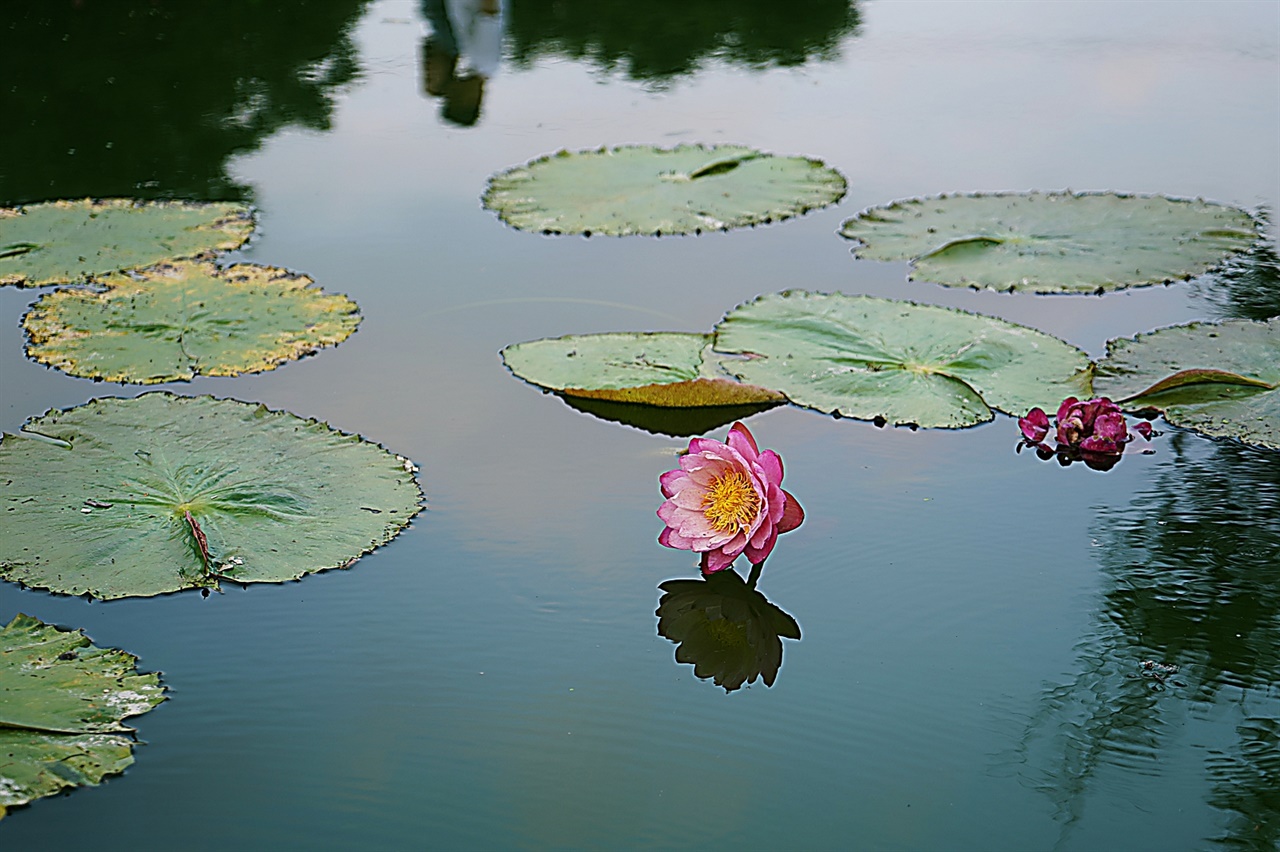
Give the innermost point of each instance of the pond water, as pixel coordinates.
(974, 621)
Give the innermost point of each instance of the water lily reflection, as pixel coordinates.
(726, 629)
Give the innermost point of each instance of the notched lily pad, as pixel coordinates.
(1052, 242)
(664, 369)
(63, 702)
(137, 497)
(897, 362)
(641, 189)
(1218, 379)
(172, 322)
(60, 242)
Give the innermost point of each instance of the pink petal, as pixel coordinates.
(1035, 425)
(1101, 446)
(1110, 426)
(715, 560)
(739, 430)
(1143, 429)
(759, 554)
(792, 514)
(771, 463)
(1065, 408)
(670, 482)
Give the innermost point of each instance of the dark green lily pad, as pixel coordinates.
(172, 322)
(1052, 242)
(137, 497)
(61, 700)
(665, 369)
(1218, 379)
(640, 189)
(897, 362)
(676, 422)
(65, 241)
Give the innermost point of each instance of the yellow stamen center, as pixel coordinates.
(731, 503)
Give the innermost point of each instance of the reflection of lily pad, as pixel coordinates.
(136, 497)
(62, 698)
(677, 422)
(903, 363)
(176, 321)
(666, 369)
(1057, 242)
(1221, 380)
(639, 189)
(65, 241)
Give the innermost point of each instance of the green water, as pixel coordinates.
(974, 621)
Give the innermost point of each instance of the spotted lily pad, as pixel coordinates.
(897, 362)
(1052, 242)
(172, 322)
(62, 702)
(137, 497)
(664, 369)
(1219, 379)
(64, 241)
(640, 189)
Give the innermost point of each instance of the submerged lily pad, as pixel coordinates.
(63, 699)
(172, 322)
(897, 362)
(137, 497)
(640, 189)
(1052, 242)
(64, 241)
(1221, 380)
(666, 369)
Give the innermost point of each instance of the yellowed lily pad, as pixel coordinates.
(175, 321)
(664, 369)
(61, 242)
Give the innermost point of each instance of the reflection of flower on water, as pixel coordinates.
(724, 628)
(1094, 432)
(726, 499)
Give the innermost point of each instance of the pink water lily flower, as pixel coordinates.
(726, 499)
(1089, 431)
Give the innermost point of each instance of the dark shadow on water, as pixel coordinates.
(150, 100)
(726, 629)
(1247, 286)
(1189, 618)
(677, 422)
(658, 41)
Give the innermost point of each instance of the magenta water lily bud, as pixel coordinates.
(1095, 431)
(726, 499)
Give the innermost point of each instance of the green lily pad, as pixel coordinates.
(137, 497)
(172, 322)
(61, 699)
(64, 241)
(676, 422)
(1052, 242)
(665, 369)
(640, 189)
(1218, 379)
(897, 362)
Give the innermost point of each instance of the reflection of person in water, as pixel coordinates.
(466, 33)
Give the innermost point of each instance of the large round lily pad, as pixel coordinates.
(665, 369)
(897, 362)
(61, 699)
(1219, 379)
(172, 322)
(640, 189)
(136, 497)
(64, 241)
(1052, 242)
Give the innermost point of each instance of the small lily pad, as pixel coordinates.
(63, 702)
(897, 362)
(66, 241)
(137, 497)
(1218, 379)
(1052, 242)
(641, 189)
(665, 369)
(172, 322)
